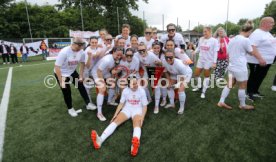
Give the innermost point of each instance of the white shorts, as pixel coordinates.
(240, 76)
(131, 111)
(204, 64)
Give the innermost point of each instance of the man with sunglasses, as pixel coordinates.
(176, 37)
(147, 39)
(65, 72)
(175, 68)
(102, 71)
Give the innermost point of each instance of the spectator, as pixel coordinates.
(262, 41)
(13, 53)
(43, 48)
(190, 52)
(24, 49)
(4, 51)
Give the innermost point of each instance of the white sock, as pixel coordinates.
(198, 79)
(137, 132)
(111, 93)
(241, 94)
(182, 98)
(164, 92)
(88, 90)
(224, 94)
(147, 93)
(171, 95)
(100, 99)
(108, 131)
(157, 95)
(205, 84)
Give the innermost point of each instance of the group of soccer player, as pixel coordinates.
(106, 60)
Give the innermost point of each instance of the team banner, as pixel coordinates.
(34, 47)
(156, 72)
(83, 34)
(55, 49)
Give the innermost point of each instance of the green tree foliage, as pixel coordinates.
(270, 10)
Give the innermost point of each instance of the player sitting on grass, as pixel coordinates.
(133, 104)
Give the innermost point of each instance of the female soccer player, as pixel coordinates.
(103, 71)
(237, 69)
(174, 69)
(134, 42)
(208, 52)
(125, 35)
(65, 72)
(133, 104)
(147, 38)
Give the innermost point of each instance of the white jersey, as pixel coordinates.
(180, 55)
(128, 44)
(208, 49)
(178, 39)
(237, 51)
(105, 64)
(266, 45)
(94, 52)
(146, 42)
(68, 60)
(101, 42)
(133, 66)
(177, 68)
(134, 99)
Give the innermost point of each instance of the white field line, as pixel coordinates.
(3, 111)
(22, 65)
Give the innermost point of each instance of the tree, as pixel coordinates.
(270, 10)
(178, 28)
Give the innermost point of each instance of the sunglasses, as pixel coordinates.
(142, 51)
(148, 33)
(168, 57)
(154, 32)
(79, 44)
(129, 55)
(171, 30)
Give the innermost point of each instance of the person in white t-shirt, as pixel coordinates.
(154, 34)
(134, 42)
(125, 34)
(102, 71)
(265, 43)
(65, 72)
(174, 69)
(208, 52)
(133, 104)
(176, 37)
(238, 48)
(147, 39)
(147, 59)
(108, 44)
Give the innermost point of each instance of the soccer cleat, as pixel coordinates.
(224, 105)
(273, 88)
(250, 98)
(156, 110)
(97, 142)
(91, 106)
(101, 117)
(258, 95)
(135, 146)
(180, 111)
(195, 89)
(112, 103)
(72, 112)
(246, 107)
(169, 106)
(163, 103)
(202, 95)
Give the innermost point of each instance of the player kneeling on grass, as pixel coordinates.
(237, 69)
(133, 104)
(65, 72)
(174, 68)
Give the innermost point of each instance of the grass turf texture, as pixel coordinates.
(40, 129)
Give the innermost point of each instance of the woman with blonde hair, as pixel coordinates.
(222, 61)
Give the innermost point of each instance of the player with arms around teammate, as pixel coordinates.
(237, 69)
(65, 72)
(133, 104)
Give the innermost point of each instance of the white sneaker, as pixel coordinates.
(97, 141)
(101, 117)
(195, 89)
(4, 63)
(163, 103)
(180, 111)
(273, 88)
(72, 112)
(156, 110)
(91, 106)
(169, 106)
(202, 95)
(112, 103)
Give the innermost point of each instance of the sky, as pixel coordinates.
(205, 12)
